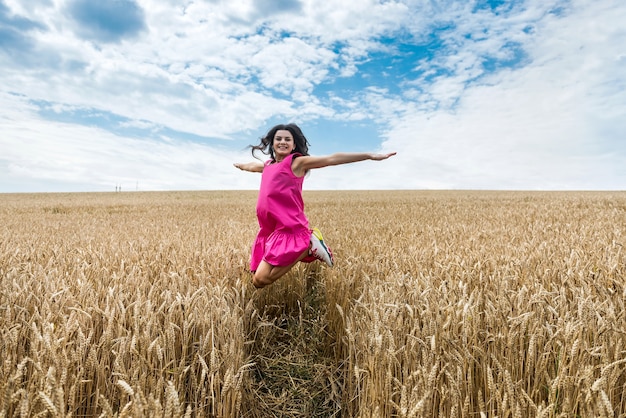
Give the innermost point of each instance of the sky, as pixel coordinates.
(144, 95)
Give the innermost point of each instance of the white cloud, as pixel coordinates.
(59, 154)
(218, 69)
(543, 126)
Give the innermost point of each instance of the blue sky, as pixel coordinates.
(167, 94)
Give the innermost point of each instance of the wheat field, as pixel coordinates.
(441, 304)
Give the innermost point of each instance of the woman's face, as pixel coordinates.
(283, 144)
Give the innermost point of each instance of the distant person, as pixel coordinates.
(284, 237)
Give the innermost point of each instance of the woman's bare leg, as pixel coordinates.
(267, 274)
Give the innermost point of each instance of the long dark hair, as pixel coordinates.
(302, 144)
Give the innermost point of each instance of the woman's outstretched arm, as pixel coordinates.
(254, 166)
(302, 164)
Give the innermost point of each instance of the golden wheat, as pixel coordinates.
(460, 304)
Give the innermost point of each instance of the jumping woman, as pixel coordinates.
(284, 237)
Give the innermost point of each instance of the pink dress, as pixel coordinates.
(284, 232)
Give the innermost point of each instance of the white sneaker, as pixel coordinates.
(319, 250)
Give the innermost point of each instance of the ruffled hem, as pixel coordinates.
(280, 248)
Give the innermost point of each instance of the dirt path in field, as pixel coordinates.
(294, 376)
